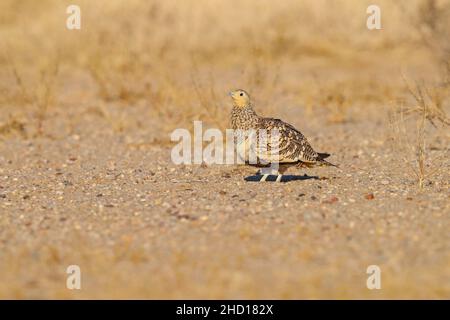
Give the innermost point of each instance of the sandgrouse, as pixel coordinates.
(292, 147)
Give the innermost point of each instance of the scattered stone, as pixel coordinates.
(369, 196)
(67, 183)
(333, 199)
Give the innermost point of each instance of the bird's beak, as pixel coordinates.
(230, 93)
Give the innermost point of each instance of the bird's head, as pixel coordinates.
(240, 98)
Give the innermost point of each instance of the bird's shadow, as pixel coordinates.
(284, 178)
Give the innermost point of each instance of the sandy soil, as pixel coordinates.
(140, 227)
(86, 176)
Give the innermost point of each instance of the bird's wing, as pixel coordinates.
(285, 145)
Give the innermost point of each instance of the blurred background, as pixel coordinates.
(176, 60)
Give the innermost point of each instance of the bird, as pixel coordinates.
(291, 149)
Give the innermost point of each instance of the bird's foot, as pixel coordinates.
(265, 176)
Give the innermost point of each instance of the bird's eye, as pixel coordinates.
(241, 94)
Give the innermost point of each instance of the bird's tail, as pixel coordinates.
(323, 162)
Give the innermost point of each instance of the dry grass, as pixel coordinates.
(162, 54)
(434, 29)
(414, 149)
(431, 101)
(39, 94)
(12, 126)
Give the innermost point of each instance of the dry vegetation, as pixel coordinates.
(138, 69)
(174, 61)
(412, 143)
(124, 51)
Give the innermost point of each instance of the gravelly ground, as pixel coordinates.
(85, 171)
(141, 227)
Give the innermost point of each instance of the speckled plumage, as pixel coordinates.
(244, 118)
(292, 147)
